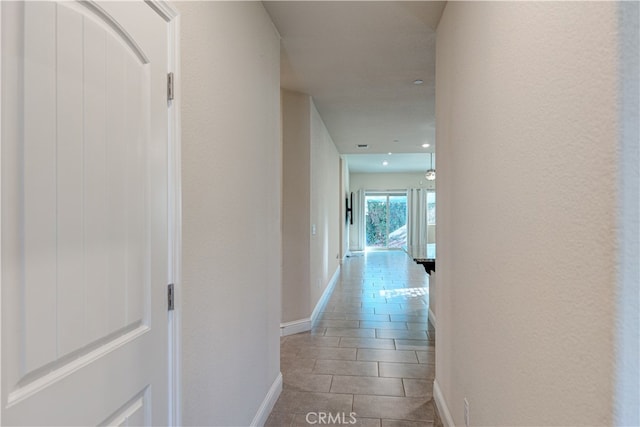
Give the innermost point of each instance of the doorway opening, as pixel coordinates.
(386, 220)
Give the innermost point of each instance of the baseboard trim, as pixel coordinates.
(304, 325)
(442, 407)
(295, 327)
(268, 403)
(322, 302)
(432, 317)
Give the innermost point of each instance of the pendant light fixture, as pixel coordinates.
(431, 173)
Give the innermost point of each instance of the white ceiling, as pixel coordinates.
(358, 60)
(396, 163)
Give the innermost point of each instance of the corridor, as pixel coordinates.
(370, 359)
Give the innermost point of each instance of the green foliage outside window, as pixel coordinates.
(376, 220)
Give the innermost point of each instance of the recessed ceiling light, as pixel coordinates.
(385, 163)
(425, 145)
(390, 153)
(418, 82)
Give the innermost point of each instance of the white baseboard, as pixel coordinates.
(295, 327)
(325, 296)
(443, 409)
(269, 401)
(432, 317)
(304, 325)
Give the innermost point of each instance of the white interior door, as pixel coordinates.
(84, 206)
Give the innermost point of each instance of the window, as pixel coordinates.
(386, 220)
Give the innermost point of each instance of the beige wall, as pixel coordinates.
(296, 202)
(325, 207)
(231, 175)
(312, 194)
(526, 100)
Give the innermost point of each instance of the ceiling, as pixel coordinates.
(359, 60)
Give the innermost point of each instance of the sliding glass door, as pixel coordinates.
(386, 220)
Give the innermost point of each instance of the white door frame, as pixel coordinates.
(1, 123)
(171, 16)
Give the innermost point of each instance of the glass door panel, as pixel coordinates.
(397, 235)
(386, 220)
(375, 212)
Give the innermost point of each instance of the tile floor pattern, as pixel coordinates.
(371, 352)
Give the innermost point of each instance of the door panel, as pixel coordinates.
(84, 214)
(376, 221)
(397, 235)
(133, 413)
(39, 224)
(95, 184)
(69, 167)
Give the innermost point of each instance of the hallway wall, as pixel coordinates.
(296, 199)
(231, 184)
(345, 202)
(325, 207)
(311, 198)
(526, 103)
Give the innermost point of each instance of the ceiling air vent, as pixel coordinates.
(363, 146)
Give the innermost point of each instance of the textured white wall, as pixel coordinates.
(231, 210)
(325, 207)
(526, 105)
(296, 200)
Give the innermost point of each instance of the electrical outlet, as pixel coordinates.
(466, 412)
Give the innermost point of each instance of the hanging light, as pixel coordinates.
(431, 172)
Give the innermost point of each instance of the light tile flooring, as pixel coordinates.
(371, 353)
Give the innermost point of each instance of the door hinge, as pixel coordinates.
(170, 297)
(170, 93)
